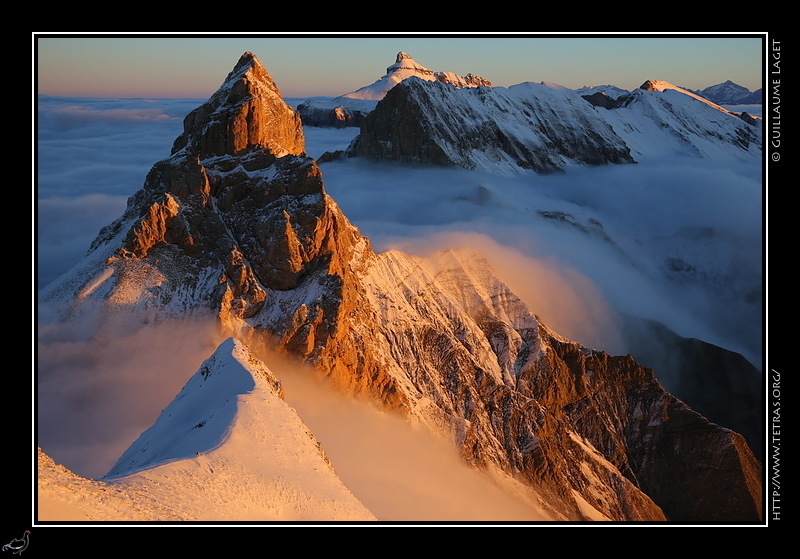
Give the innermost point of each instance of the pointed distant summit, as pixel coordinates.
(351, 108)
(404, 61)
(246, 111)
(406, 67)
(730, 93)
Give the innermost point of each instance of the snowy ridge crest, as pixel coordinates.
(228, 447)
(351, 108)
(201, 416)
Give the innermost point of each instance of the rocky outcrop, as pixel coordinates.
(718, 383)
(249, 235)
(237, 212)
(600, 99)
(665, 430)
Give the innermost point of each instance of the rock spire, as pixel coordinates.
(247, 111)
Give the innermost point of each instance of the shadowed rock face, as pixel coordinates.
(503, 129)
(238, 225)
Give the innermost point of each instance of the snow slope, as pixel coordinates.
(227, 448)
(666, 120)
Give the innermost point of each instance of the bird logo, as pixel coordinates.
(18, 545)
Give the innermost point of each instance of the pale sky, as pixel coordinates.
(184, 66)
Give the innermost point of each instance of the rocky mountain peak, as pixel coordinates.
(404, 61)
(236, 222)
(247, 111)
(236, 213)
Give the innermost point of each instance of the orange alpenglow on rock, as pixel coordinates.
(246, 111)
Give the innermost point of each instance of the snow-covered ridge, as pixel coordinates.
(526, 127)
(227, 447)
(542, 128)
(659, 85)
(201, 417)
(660, 119)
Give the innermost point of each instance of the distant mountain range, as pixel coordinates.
(350, 109)
(729, 93)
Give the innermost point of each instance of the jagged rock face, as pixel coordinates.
(250, 236)
(230, 236)
(247, 111)
(506, 130)
(232, 217)
(471, 80)
(470, 359)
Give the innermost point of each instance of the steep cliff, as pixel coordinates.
(228, 447)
